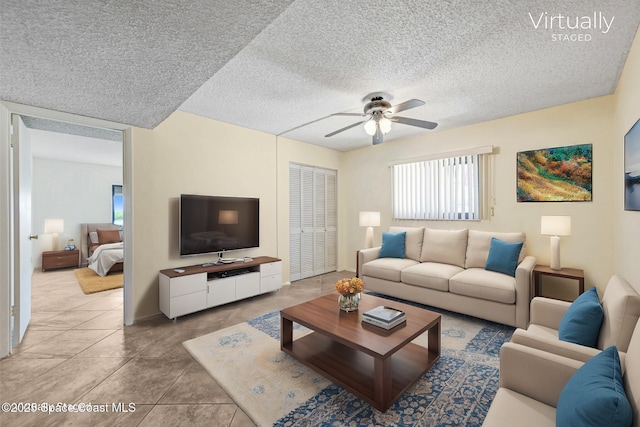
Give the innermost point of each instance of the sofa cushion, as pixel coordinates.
(480, 242)
(621, 305)
(392, 245)
(581, 322)
(484, 284)
(503, 256)
(445, 246)
(595, 395)
(432, 275)
(386, 268)
(412, 242)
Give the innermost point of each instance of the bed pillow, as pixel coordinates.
(93, 236)
(503, 256)
(582, 320)
(595, 395)
(392, 245)
(108, 236)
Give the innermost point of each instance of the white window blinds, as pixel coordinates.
(449, 188)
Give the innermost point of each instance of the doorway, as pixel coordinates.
(9, 274)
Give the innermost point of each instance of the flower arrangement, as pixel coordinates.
(350, 286)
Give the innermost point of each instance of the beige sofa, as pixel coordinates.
(531, 381)
(621, 306)
(445, 269)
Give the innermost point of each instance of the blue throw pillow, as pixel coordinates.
(582, 320)
(392, 245)
(503, 257)
(594, 395)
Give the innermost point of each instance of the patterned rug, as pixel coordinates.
(274, 389)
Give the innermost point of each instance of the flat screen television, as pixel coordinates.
(215, 224)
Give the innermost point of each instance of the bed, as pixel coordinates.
(101, 247)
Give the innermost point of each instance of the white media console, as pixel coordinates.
(198, 287)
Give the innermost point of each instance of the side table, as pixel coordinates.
(566, 273)
(60, 259)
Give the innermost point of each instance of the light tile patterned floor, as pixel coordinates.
(76, 350)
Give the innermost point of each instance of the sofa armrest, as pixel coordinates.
(535, 373)
(366, 255)
(524, 273)
(548, 312)
(555, 346)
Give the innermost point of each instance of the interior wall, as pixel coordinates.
(75, 192)
(367, 183)
(626, 223)
(195, 155)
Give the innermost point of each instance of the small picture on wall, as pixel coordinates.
(559, 174)
(632, 168)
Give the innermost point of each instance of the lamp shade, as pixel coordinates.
(370, 127)
(369, 219)
(53, 226)
(555, 225)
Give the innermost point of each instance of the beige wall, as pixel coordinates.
(192, 154)
(627, 223)
(366, 179)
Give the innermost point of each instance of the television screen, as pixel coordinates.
(210, 224)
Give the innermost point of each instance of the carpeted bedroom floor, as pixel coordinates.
(77, 351)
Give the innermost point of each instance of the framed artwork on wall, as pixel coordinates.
(559, 174)
(632, 168)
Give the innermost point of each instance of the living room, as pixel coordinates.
(188, 153)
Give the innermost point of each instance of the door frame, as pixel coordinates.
(6, 197)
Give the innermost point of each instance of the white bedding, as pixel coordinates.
(105, 256)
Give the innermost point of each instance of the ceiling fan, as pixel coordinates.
(380, 114)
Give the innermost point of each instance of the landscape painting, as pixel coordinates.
(560, 174)
(632, 169)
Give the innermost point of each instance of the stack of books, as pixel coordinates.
(384, 317)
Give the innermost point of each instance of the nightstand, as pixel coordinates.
(566, 273)
(60, 259)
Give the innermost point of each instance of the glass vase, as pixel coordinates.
(348, 302)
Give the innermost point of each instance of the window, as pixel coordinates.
(447, 188)
(117, 212)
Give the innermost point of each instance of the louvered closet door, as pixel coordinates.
(312, 221)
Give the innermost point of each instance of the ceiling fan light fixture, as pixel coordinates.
(385, 125)
(370, 127)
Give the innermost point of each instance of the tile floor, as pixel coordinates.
(76, 350)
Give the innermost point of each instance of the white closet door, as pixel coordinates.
(312, 221)
(307, 247)
(295, 222)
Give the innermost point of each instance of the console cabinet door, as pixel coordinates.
(221, 291)
(247, 285)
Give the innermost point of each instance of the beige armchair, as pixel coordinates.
(531, 381)
(621, 305)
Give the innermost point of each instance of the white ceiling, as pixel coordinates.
(274, 65)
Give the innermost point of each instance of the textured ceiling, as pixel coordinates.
(276, 65)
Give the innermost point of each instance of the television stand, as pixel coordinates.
(203, 286)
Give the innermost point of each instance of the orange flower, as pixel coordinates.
(349, 286)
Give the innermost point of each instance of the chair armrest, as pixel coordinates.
(548, 312)
(535, 373)
(555, 346)
(366, 255)
(523, 290)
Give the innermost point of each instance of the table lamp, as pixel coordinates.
(53, 227)
(369, 220)
(555, 226)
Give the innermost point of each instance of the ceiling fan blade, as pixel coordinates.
(349, 114)
(415, 122)
(344, 128)
(377, 137)
(412, 103)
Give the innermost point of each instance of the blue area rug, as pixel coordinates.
(274, 389)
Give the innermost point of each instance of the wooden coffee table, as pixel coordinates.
(374, 364)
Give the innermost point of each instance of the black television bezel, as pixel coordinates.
(180, 248)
